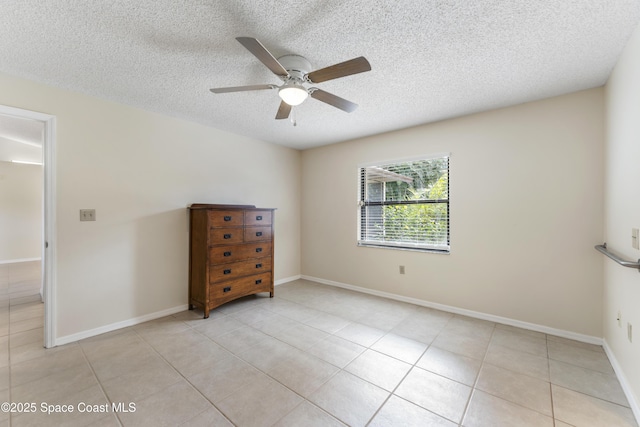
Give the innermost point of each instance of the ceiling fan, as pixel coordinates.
(295, 72)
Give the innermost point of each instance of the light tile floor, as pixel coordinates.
(20, 282)
(312, 356)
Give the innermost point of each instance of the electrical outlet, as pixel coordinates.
(402, 269)
(630, 332)
(87, 214)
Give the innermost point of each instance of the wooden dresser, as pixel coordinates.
(230, 253)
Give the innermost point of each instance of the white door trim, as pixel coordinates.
(49, 265)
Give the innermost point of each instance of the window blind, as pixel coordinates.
(406, 204)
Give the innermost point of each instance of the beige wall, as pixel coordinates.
(20, 211)
(622, 213)
(526, 210)
(140, 170)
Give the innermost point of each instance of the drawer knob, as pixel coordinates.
(227, 254)
(258, 265)
(227, 289)
(258, 249)
(227, 218)
(227, 236)
(258, 281)
(227, 271)
(259, 218)
(259, 233)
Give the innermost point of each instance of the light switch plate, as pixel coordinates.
(87, 214)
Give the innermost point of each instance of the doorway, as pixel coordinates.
(46, 123)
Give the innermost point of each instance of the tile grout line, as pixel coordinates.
(342, 369)
(182, 376)
(9, 364)
(392, 393)
(370, 348)
(581, 392)
(104, 393)
(518, 373)
(312, 355)
(548, 361)
(475, 382)
(553, 409)
(304, 399)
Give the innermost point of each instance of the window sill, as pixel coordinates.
(405, 248)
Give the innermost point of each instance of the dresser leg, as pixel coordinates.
(191, 307)
(270, 294)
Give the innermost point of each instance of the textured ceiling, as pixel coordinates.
(430, 59)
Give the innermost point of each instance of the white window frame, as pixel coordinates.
(442, 249)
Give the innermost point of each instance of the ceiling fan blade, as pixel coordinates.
(347, 68)
(241, 88)
(283, 111)
(333, 100)
(261, 52)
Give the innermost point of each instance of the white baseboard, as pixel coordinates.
(118, 325)
(475, 314)
(13, 261)
(286, 280)
(624, 382)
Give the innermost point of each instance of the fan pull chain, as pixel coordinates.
(293, 117)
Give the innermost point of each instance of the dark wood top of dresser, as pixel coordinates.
(210, 206)
(195, 206)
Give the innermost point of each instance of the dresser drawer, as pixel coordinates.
(220, 293)
(257, 218)
(256, 234)
(222, 272)
(226, 218)
(227, 254)
(225, 236)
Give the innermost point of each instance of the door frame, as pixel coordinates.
(49, 234)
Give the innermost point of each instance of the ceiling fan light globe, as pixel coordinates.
(293, 94)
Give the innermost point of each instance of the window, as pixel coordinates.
(405, 204)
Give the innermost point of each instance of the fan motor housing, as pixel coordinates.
(297, 66)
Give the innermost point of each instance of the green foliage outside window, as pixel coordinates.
(419, 223)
